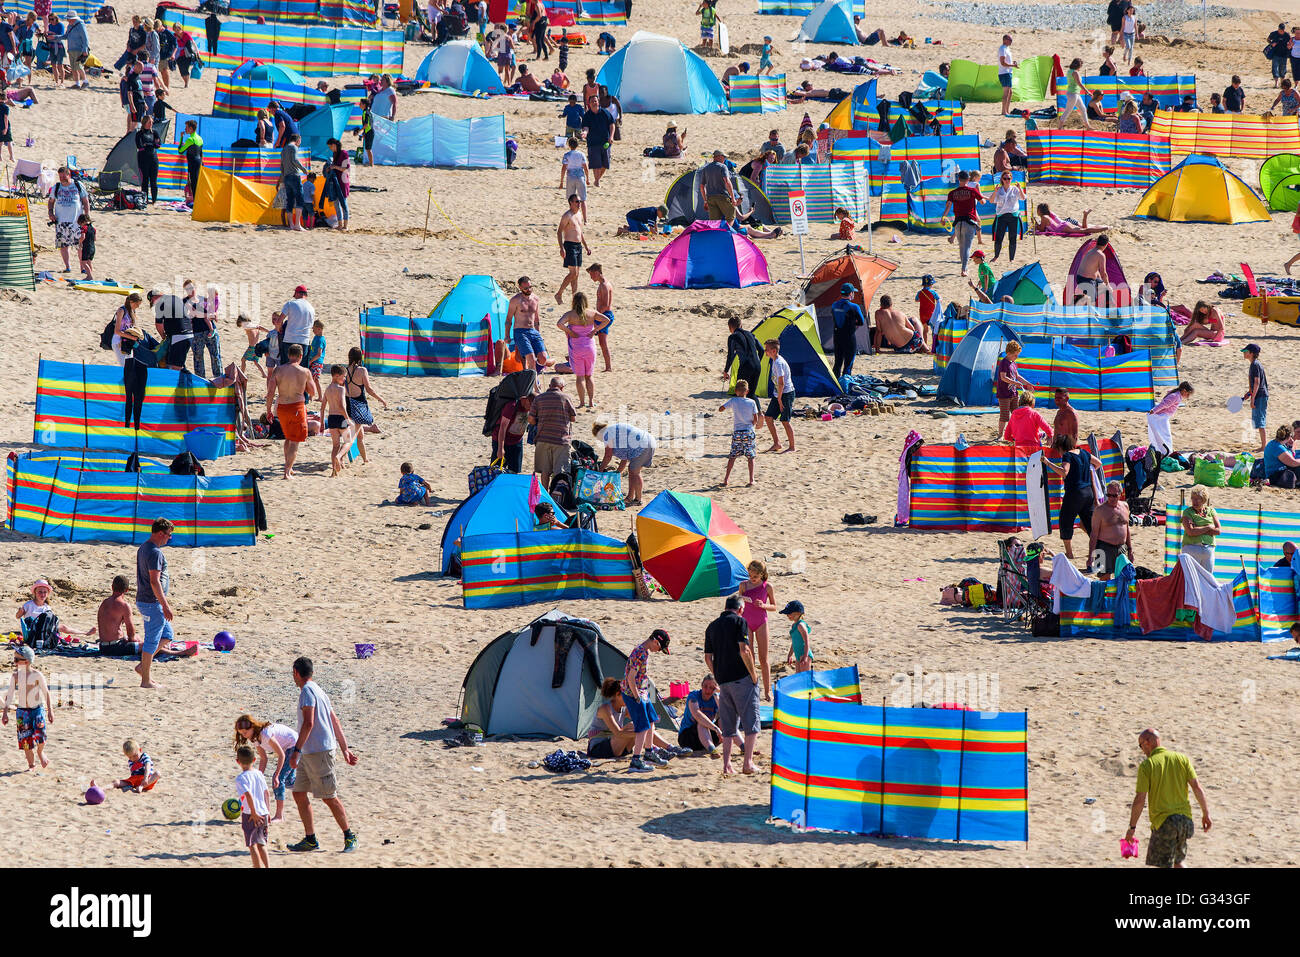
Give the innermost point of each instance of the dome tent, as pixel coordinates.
(273, 72)
(656, 74)
(830, 22)
(1027, 286)
(1279, 182)
(686, 206)
(795, 328)
(1120, 294)
(473, 299)
(1201, 190)
(503, 505)
(968, 379)
(708, 255)
(460, 65)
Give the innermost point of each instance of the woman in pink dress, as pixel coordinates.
(581, 325)
(758, 599)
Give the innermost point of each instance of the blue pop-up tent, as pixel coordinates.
(968, 378)
(502, 506)
(830, 22)
(460, 65)
(656, 74)
(1027, 286)
(273, 72)
(473, 299)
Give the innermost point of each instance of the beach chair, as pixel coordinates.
(1020, 586)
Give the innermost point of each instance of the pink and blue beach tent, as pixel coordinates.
(460, 65)
(831, 22)
(273, 72)
(709, 255)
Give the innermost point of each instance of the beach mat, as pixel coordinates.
(105, 285)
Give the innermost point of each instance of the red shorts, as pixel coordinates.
(137, 781)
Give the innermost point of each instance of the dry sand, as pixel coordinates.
(341, 569)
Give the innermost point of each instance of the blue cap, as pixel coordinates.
(847, 288)
(792, 606)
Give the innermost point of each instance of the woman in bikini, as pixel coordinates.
(581, 325)
(356, 387)
(1206, 323)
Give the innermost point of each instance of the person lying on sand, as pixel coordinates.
(1048, 222)
(897, 330)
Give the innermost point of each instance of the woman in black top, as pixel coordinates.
(1077, 500)
(160, 106)
(147, 142)
(1107, 67)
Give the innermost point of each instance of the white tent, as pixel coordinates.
(656, 74)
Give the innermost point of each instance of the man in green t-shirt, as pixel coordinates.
(1164, 777)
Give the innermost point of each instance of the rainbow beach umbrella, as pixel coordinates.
(691, 547)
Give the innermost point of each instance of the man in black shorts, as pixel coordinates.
(573, 240)
(1109, 534)
(173, 323)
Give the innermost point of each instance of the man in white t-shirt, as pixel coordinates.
(573, 174)
(319, 733)
(299, 315)
(68, 200)
(1005, 64)
(744, 414)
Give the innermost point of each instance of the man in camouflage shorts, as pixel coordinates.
(1164, 778)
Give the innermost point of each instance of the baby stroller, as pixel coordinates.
(1020, 585)
(1141, 474)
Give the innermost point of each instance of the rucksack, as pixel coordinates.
(106, 14)
(106, 337)
(186, 464)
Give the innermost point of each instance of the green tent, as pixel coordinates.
(16, 266)
(1279, 182)
(976, 83)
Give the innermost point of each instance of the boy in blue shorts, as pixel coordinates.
(636, 698)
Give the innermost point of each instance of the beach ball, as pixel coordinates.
(94, 794)
(224, 641)
(230, 808)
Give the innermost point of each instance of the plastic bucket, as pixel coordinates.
(204, 444)
(679, 689)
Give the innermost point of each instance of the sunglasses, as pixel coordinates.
(1112, 494)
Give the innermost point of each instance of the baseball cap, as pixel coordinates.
(977, 254)
(300, 291)
(792, 606)
(1251, 347)
(846, 288)
(662, 637)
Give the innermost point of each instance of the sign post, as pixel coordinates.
(799, 221)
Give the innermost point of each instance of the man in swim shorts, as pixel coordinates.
(896, 330)
(604, 306)
(290, 381)
(569, 234)
(1109, 534)
(522, 317)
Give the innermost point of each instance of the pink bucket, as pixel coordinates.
(679, 689)
(1128, 848)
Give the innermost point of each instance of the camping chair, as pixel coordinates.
(1140, 474)
(27, 178)
(103, 190)
(1019, 582)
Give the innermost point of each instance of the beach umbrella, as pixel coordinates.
(691, 547)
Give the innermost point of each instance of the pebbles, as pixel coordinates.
(1166, 17)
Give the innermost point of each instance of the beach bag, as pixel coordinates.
(196, 67)
(481, 475)
(106, 337)
(600, 488)
(1240, 475)
(186, 464)
(1209, 473)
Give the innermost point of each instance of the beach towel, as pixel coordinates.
(904, 514)
(1067, 580)
(1213, 601)
(1160, 434)
(1159, 599)
(1064, 229)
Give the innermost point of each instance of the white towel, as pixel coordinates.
(1067, 580)
(1160, 434)
(1202, 591)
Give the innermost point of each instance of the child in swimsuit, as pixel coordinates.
(800, 656)
(143, 776)
(334, 416)
(252, 332)
(759, 599)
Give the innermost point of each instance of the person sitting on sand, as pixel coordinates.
(114, 615)
(143, 775)
(31, 611)
(29, 687)
(897, 330)
(1009, 155)
(411, 489)
(609, 737)
(1049, 222)
(1206, 323)
(699, 714)
(544, 514)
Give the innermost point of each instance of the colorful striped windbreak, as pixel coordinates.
(81, 406)
(1096, 382)
(1227, 134)
(826, 186)
(330, 12)
(1251, 536)
(982, 487)
(1107, 617)
(839, 765)
(508, 569)
(1096, 158)
(420, 346)
(757, 94)
(255, 165)
(89, 497)
(607, 13)
(312, 51)
(935, 156)
(242, 97)
(1168, 91)
(923, 209)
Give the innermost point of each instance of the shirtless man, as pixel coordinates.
(1092, 277)
(1109, 534)
(114, 615)
(522, 317)
(604, 306)
(901, 333)
(290, 381)
(334, 416)
(573, 241)
(28, 685)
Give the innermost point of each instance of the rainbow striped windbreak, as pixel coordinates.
(330, 12)
(1227, 134)
(1252, 536)
(982, 487)
(923, 209)
(935, 156)
(312, 51)
(826, 186)
(89, 497)
(241, 98)
(255, 165)
(508, 569)
(758, 94)
(81, 406)
(593, 12)
(839, 765)
(420, 346)
(1097, 382)
(1168, 91)
(1096, 158)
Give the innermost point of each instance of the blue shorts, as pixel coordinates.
(529, 342)
(292, 192)
(156, 627)
(287, 776)
(1259, 412)
(1005, 80)
(608, 314)
(643, 715)
(637, 225)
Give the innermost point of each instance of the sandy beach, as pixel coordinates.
(342, 569)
